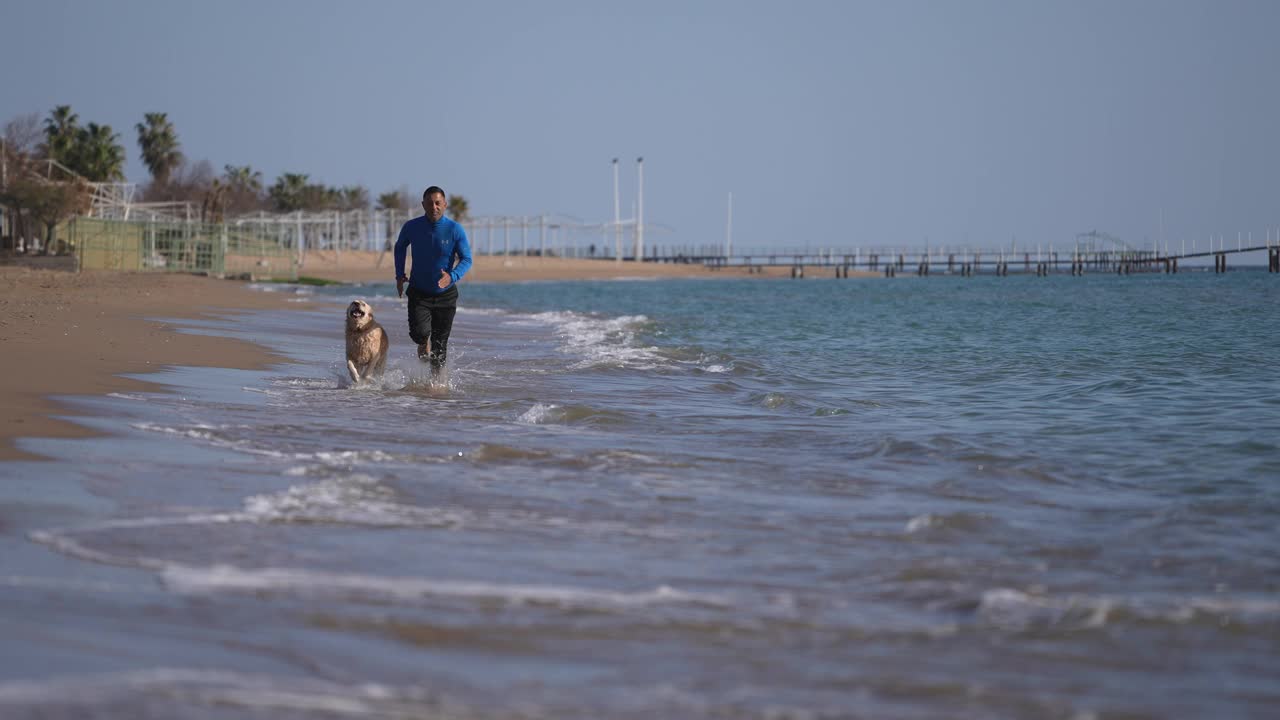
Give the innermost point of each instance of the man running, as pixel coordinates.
(441, 256)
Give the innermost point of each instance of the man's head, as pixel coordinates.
(433, 203)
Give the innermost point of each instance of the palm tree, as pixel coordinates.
(158, 142)
(316, 197)
(244, 188)
(60, 131)
(459, 208)
(393, 200)
(287, 193)
(242, 178)
(98, 156)
(355, 197)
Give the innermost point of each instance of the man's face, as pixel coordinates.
(434, 205)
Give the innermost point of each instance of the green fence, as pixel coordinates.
(222, 250)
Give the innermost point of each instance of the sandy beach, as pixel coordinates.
(68, 333)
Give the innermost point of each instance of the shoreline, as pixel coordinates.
(78, 333)
(67, 333)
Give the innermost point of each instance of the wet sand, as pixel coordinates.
(67, 333)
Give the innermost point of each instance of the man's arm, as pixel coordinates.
(402, 242)
(462, 249)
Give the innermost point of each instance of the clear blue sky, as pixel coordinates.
(833, 123)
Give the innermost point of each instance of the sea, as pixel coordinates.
(943, 497)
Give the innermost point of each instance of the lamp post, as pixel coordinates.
(728, 232)
(640, 210)
(617, 221)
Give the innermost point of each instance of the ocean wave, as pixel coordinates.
(498, 453)
(129, 396)
(599, 341)
(251, 440)
(171, 692)
(538, 414)
(959, 521)
(1017, 610)
(482, 312)
(226, 578)
(352, 500)
(550, 413)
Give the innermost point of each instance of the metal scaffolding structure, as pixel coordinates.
(376, 230)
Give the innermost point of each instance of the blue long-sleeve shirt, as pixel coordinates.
(436, 246)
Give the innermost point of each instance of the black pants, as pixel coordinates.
(431, 320)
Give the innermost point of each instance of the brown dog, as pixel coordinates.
(367, 343)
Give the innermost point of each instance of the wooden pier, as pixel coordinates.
(969, 263)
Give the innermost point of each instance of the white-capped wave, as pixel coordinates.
(487, 312)
(598, 340)
(224, 578)
(952, 521)
(352, 500)
(1015, 609)
(301, 382)
(226, 436)
(537, 414)
(128, 396)
(197, 432)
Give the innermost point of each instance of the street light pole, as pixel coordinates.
(640, 210)
(617, 221)
(728, 231)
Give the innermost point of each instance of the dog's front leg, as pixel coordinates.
(355, 374)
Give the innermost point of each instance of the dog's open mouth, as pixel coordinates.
(357, 313)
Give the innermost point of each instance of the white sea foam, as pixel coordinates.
(489, 312)
(1015, 609)
(225, 578)
(920, 522)
(717, 368)
(954, 521)
(213, 435)
(598, 341)
(197, 432)
(352, 500)
(305, 383)
(224, 436)
(128, 396)
(347, 457)
(538, 414)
